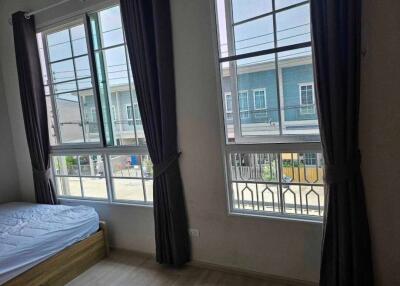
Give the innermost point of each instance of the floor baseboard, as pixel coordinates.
(234, 270)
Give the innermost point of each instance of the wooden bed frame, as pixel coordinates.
(67, 264)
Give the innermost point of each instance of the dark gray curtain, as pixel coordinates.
(148, 34)
(346, 254)
(33, 105)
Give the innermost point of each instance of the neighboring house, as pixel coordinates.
(257, 100)
(124, 116)
(258, 96)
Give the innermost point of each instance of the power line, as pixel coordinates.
(263, 35)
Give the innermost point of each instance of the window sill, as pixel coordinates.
(288, 218)
(104, 202)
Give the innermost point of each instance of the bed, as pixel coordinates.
(48, 245)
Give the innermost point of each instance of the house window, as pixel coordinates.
(309, 159)
(133, 114)
(307, 102)
(244, 104)
(260, 99)
(129, 114)
(88, 81)
(266, 45)
(228, 105)
(113, 113)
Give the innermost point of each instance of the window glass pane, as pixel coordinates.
(126, 166)
(293, 26)
(286, 3)
(59, 45)
(85, 84)
(116, 66)
(78, 39)
(131, 176)
(65, 87)
(94, 188)
(69, 186)
(258, 73)
(296, 68)
(82, 67)
(69, 118)
(298, 198)
(253, 36)
(89, 114)
(111, 26)
(91, 165)
(149, 190)
(147, 166)
(62, 71)
(128, 189)
(245, 9)
(66, 165)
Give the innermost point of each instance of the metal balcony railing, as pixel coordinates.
(289, 184)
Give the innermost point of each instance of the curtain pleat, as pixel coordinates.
(147, 25)
(33, 105)
(336, 30)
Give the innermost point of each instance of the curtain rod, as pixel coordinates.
(29, 14)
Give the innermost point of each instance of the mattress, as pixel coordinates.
(31, 233)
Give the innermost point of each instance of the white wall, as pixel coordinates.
(9, 187)
(278, 247)
(380, 134)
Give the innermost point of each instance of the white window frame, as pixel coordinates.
(260, 144)
(230, 60)
(265, 98)
(302, 111)
(89, 148)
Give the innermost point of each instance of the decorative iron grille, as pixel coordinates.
(288, 184)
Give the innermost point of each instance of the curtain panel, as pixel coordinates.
(147, 25)
(336, 31)
(33, 105)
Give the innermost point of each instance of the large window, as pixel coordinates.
(273, 150)
(98, 145)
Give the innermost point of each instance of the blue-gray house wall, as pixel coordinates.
(291, 78)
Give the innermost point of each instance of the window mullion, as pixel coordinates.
(108, 176)
(80, 177)
(276, 67)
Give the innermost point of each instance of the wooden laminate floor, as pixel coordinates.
(126, 268)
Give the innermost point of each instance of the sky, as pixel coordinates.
(293, 26)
